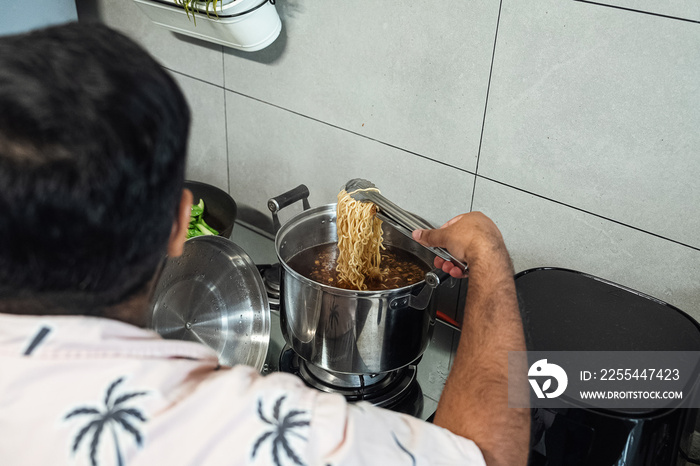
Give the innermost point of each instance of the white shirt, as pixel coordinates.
(94, 391)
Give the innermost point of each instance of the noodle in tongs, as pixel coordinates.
(404, 221)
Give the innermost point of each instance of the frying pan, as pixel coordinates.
(219, 207)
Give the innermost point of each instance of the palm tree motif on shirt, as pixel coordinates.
(282, 428)
(116, 414)
(404, 449)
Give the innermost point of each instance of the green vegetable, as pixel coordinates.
(197, 226)
(197, 210)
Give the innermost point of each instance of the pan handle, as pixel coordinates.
(421, 300)
(300, 193)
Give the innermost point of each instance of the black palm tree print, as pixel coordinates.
(115, 415)
(281, 431)
(404, 449)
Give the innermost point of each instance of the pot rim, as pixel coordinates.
(333, 289)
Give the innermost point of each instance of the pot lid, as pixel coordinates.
(213, 294)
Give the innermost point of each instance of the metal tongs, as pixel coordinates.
(404, 221)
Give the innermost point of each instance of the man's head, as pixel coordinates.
(93, 137)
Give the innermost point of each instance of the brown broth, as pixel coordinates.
(319, 262)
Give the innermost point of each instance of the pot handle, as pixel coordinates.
(422, 299)
(300, 193)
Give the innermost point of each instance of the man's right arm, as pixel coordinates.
(474, 403)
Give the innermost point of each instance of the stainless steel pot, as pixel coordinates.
(345, 331)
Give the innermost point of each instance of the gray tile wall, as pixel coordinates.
(573, 125)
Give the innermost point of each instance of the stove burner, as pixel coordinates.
(271, 278)
(339, 381)
(397, 390)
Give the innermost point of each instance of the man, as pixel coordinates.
(92, 151)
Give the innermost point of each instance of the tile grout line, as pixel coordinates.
(324, 122)
(443, 163)
(364, 136)
(486, 106)
(651, 13)
(602, 217)
(223, 91)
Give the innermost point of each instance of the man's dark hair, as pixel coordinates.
(93, 136)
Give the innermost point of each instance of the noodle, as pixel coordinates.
(359, 240)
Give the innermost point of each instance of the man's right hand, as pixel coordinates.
(469, 237)
(474, 402)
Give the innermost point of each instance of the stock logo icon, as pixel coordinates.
(546, 372)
